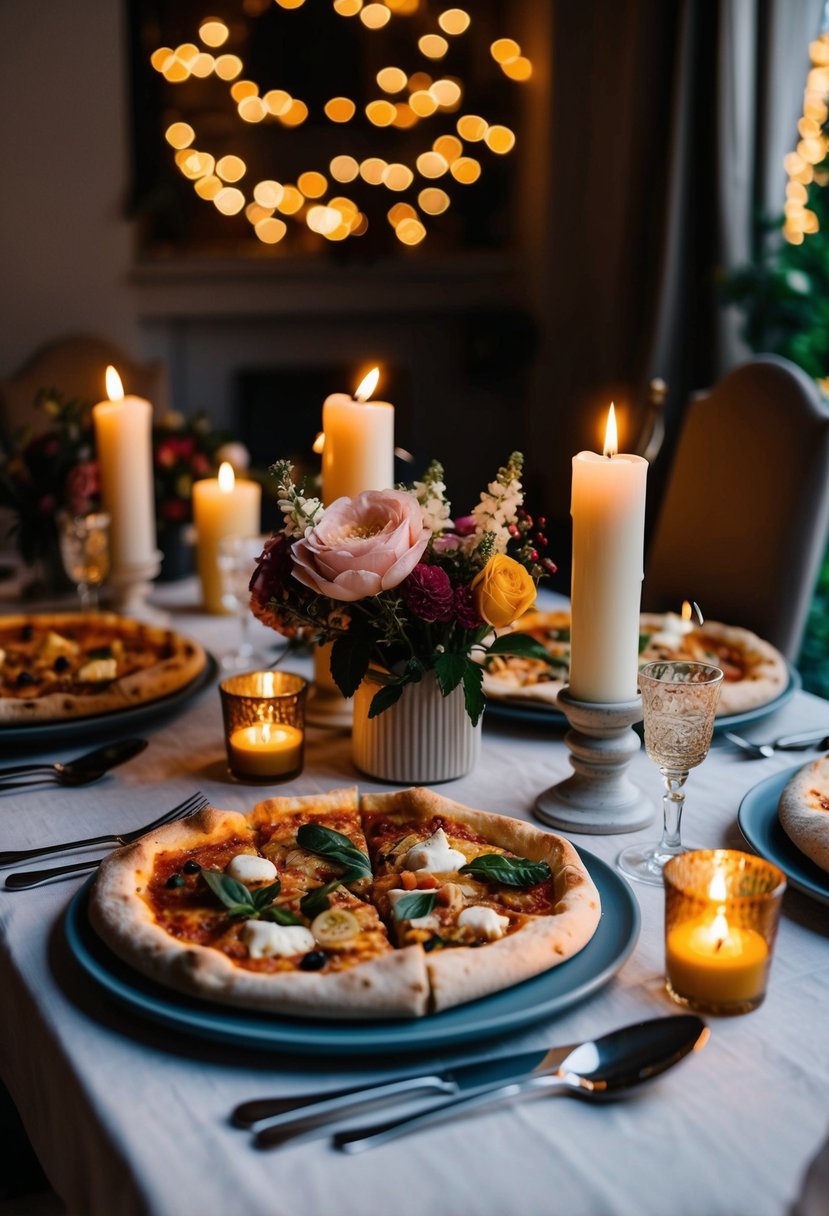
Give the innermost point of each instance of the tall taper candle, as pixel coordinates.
(123, 436)
(608, 510)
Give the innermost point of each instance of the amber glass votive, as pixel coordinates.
(264, 717)
(721, 914)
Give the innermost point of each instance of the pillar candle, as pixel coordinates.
(222, 506)
(608, 510)
(359, 443)
(123, 439)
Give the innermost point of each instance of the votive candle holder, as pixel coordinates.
(722, 908)
(264, 724)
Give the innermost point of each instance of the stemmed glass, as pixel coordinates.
(679, 700)
(237, 558)
(84, 551)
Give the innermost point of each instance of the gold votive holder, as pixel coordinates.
(264, 720)
(721, 913)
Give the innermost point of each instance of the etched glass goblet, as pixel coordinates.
(237, 559)
(679, 700)
(84, 551)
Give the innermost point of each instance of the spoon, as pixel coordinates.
(597, 1070)
(81, 771)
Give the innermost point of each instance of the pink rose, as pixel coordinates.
(362, 545)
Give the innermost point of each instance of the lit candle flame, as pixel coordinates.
(367, 385)
(611, 437)
(115, 389)
(686, 610)
(717, 888)
(319, 443)
(227, 478)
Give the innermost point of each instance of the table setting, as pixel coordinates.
(689, 1012)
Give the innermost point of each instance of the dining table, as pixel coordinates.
(125, 1090)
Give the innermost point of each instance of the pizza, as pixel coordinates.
(754, 671)
(803, 810)
(60, 666)
(333, 906)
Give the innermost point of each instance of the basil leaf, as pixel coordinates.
(317, 901)
(281, 916)
(414, 904)
(227, 889)
(101, 652)
(265, 895)
(246, 910)
(644, 638)
(509, 871)
(336, 847)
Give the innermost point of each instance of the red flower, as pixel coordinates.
(83, 486)
(464, 609)
(427, 592)
(174, 510)
(268, 584)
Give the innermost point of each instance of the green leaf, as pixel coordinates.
(449, 670)
(509, 871)
(282, 916)
(520, 644)
(265, 895)
(473, 693)
(246, 910)
(334, 846)
(232, 894)
(350, 656)
(385, 698)
(317, 901)
(644, 638)
(414, 904)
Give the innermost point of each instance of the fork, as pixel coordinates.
(30, 878)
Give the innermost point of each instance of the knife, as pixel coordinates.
(276, 1120)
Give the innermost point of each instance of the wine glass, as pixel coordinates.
(84, 551)
(237, 557)
(679, 700)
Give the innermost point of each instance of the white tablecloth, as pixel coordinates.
(127, 1117)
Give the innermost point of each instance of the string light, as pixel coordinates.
(812, 148)
(214, 180)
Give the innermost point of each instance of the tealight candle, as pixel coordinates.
(264, 720)
(608, 510)
(721, 912)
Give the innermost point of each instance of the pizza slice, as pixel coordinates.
(454, 879)
(803, 810)
(235, 909)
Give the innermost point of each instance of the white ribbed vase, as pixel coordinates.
(422, 739)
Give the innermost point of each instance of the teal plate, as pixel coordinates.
(759, 824)
(517, 1007)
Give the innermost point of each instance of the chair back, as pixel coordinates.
(743, 525)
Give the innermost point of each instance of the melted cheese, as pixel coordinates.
(485, 922)
(435, 855)
(248, 867)
(98, 669)
(55, 644)
(265, 939)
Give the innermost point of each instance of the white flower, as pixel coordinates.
(434, 508)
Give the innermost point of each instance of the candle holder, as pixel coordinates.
(598, 798)
(327, 706)
(129, 587)
(264, 721)
(721, 913)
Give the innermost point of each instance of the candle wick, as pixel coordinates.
(719, 945)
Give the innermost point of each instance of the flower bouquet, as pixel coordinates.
(399, 587)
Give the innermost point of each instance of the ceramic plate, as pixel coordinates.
(759, 824)
(540, 714)
(542, 997)
(132, 719)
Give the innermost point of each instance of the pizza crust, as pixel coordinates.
(151, 683)
(465, 973)
(803, 811)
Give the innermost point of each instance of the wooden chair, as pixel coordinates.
(75, 366)
(744, 522)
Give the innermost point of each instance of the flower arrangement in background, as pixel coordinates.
(399, 587)
(185, 450)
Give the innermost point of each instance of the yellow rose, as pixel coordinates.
(502, 591)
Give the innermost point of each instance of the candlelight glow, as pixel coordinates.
(319, 443)
(716, 887)
(115, 389)
(367, 385)
(227, 478)
(611, 437)
(687, 610)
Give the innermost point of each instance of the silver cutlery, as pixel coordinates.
(81, 771)
(786, 743)
(31, 878)
(279, 1120)
(597, 1071)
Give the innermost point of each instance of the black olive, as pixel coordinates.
(175, 880)
(25, 678)
(432, 944)
(61, 663)
(191, 867)
(27, 633)
(314, 960)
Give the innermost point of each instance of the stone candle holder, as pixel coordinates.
(599, 798)
(129, 587)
